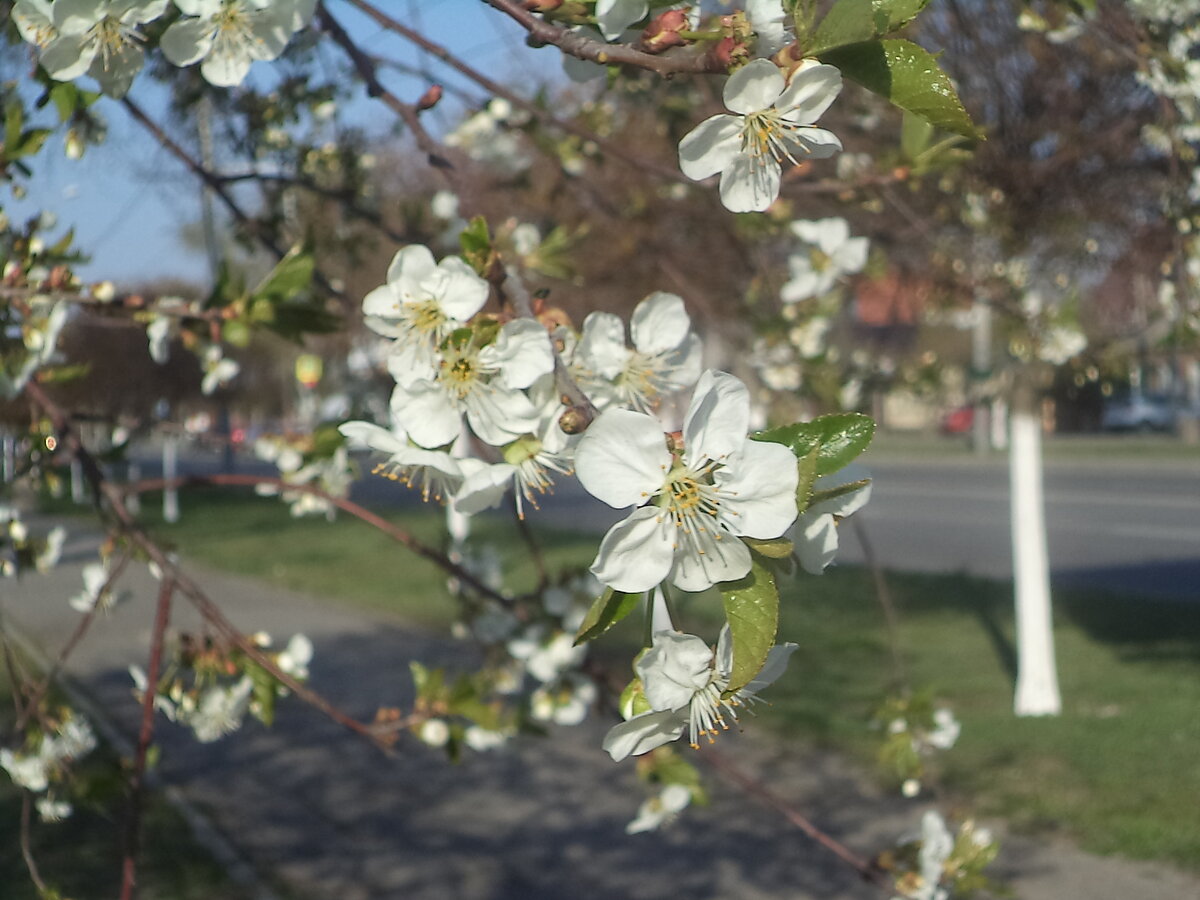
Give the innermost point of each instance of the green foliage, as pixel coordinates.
(752, 610)
(609, 609)
(856, 21)
(476, 242)
(909, 76)
(833, 440)
(833, 493)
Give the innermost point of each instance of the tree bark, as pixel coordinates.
(1037, 678)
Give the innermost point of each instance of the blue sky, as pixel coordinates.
(129, 200)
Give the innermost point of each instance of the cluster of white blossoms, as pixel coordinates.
(332, 474)
(105, 38)
(465, 377)
(492, 137)
(215, 704)
(21, 551)
(44, 761)
(936, 859)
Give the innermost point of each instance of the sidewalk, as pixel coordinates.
(325, 816)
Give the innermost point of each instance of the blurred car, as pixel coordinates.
(1138, 412)
(958, 421)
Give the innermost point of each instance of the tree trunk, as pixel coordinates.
(1037, 679)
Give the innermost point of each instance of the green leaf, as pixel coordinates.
(292, 275)
(31, 142)
(609, 609)
(476, 244)
(908, 76)
(65, 97)
(856, 21)
(848, 22)
(14, 118)
(779, 548)
(891, 15)
(915, 135)
(807, 469)
(752, 610)
(837, 439)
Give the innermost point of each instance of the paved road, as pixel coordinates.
(1125, 526)
(327, 816)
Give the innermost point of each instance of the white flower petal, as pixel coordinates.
(723, 558)
(759, 489)
(754, 87)
(816, 143)
(674, 668)
(187, 41)
(409, 268)
(643, 733)
(811, 92)
(365, 434)
(622, 458)
(717, 418)
(463, 292)
(421, 409)
(499, 416)
(637, 553)
(224, 66)
(602, 344)
(522, 351)
(710, 147)
(816, 541)
(659, 323)
(67, 57)
(484, 486)
(750, 183)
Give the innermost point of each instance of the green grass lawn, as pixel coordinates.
(1118, 770)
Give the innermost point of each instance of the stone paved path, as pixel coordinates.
(318, 812)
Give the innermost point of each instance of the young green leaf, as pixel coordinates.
(752, 610)
(909, 76)
(608, 609)
(836, 440)
(847, 22)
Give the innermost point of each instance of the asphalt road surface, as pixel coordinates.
(1129, 525)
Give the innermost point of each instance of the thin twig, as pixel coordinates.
(395, 532)
(609, 147)
(580, 45)
(26, 851)
(162, 616)
(722, 766)
(884, 594)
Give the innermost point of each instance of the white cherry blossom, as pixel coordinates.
(660, 809)
(424, 301)
(832, 254)
(99, 37)
(772, 121)
(684, 682)
(769, 21)
(483, 383)
(229, 35)
(665, 355)
(693, 504)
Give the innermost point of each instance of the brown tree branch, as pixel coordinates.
(145, 735)
(584, 47)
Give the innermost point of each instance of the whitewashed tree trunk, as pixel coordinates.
(1037, 677)
(170, 467)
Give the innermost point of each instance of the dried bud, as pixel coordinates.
(575, 420)
(663, 31)
(430, 98)
(542, 6)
